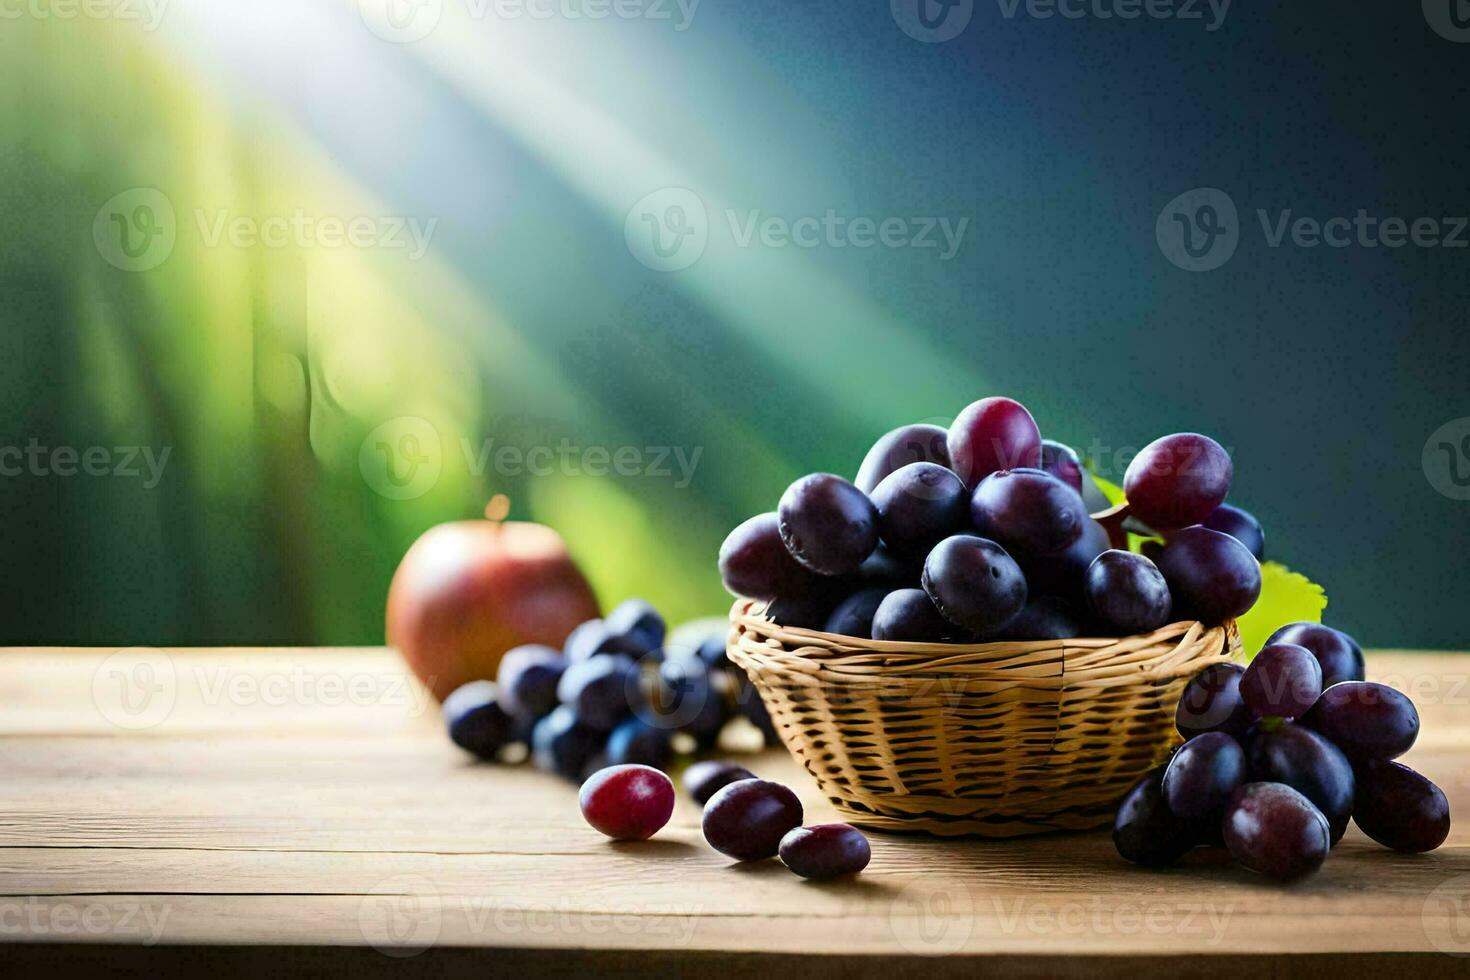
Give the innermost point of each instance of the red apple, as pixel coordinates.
(468, 591)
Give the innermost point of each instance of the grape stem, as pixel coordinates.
(1112, 521)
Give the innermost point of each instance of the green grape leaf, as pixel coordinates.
(1112, 491)
(1286, 597)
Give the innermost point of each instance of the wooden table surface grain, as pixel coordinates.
(249, 810)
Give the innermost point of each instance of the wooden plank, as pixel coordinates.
(317, 819)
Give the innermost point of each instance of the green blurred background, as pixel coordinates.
(352, 281)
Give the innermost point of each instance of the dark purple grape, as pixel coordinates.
(1365, 720)
(1062, 572)
(828, 524)
(974, 583)
(688, 698)
(919, 506)
(1146, 831)
(601, 691)
(636, 627)
(477, 721)
(808, 610)
(1241, 526)
(1212, 576)
(891, 571)
(1177, 480)
(1339, 656)
(1045, 617)
(1309, 764)
(1283, 681)
(703, 779)
(992, 434)
(587, 641)
(1211, 702)
(1274, 830)
(527, 678)
(562, 745)
(909, 614)
(747, 819)
(824, 851)
(1127, 593)
(750, 705)
(754, 561)
(1202, 775)
(907, 444)
(1399, 808)
(627, 802)
(636, 742)
(1062, 462)
(854, 615)
(1028, 511)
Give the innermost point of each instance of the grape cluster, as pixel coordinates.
(744, 817)
(616, 694)
(1278, 756)
(980, 533)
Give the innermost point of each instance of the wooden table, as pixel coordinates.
(244, 811)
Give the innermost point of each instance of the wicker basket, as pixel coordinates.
(994, 739)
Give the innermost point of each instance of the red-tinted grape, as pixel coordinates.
(1045, 617)
(1127, 593)
(974, 583)
(828, 850)
(1211, 703)
(477, 720)
(1340, 657)
(1283, 681)
(527, 677)
(854, 615)
(1399, 808)
(828, 524)
(601, 690)
(627, 802)
(1212, 576)
(1309, 764)
(1202, 775)
(1365, 720)
(1028, 511)
(561, 744)
(919, 506)
(1146, 831)
(754, 562)
(909, 614)
(1177, 480)
(1062, 462)
(907, 444)
(1273, 830)
(993, 434)
(703, 779)
(1241, 526)
(747, 819)
(1062, 572)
